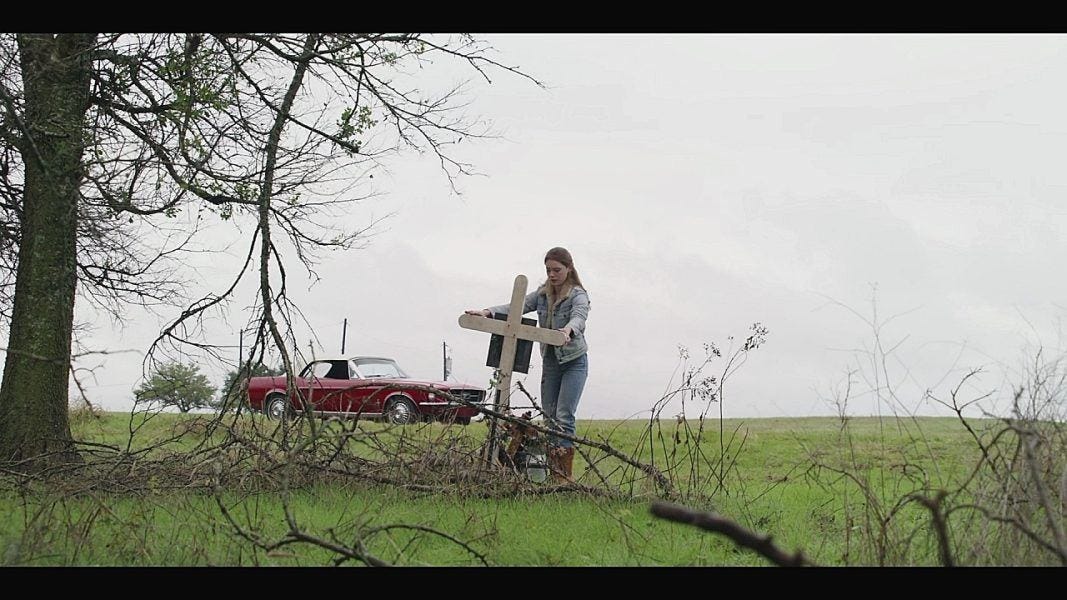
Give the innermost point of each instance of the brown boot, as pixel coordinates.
(561, 463)
(566, 462)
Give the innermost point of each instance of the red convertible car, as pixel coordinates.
(367, 386)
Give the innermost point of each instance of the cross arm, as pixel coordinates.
(538, 334)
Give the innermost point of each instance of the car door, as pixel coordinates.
(310, 383)
(335, 388)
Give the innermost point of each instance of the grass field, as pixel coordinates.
(814, 484)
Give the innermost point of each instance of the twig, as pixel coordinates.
(940, 524)
(761, 544)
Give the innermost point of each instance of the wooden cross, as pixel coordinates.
(512, 330)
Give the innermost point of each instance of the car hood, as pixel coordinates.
(421, 382)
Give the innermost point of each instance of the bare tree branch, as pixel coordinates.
(761, 544)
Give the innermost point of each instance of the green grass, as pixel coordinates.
(520, 531)
(770, 487)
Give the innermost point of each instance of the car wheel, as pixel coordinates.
(277, 408)
(401, 411)
(462, 421)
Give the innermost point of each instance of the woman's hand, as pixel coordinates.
(478, 313)
(567, 332)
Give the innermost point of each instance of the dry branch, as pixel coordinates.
(761, 544)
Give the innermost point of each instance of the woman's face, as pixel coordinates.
(557, 273)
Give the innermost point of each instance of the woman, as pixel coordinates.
(561, 303)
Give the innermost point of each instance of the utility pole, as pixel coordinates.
(344, 332)
(446, 362)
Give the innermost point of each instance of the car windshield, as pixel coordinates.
(379, 367)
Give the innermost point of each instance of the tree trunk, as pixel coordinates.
(33, 395)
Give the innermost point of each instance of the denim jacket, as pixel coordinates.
(572, 310)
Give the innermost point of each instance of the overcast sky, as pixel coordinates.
(706, 182)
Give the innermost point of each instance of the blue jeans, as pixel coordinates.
(561, 388)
